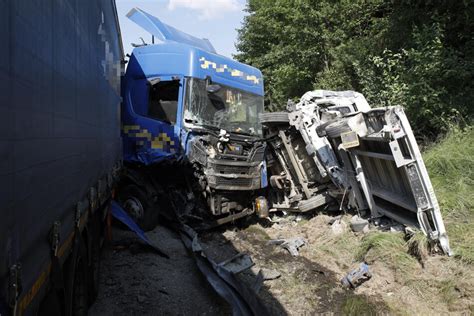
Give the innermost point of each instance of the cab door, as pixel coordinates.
(151, 112)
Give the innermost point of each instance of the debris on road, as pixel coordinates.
(239, 296)
(356, 277)
(238, 263)
(338, 227)
(291, 244)
(359, 224)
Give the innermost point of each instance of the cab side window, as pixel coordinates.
(163, 101)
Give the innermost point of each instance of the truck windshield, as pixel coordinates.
(228, 108)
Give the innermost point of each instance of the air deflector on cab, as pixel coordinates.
(165, 32)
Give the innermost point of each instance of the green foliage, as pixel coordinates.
(450, 163)
(387, 247)
(357, 305)
(418, 54)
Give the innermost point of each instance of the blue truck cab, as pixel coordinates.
(184, 102)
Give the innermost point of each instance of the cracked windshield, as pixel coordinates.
(226, 108)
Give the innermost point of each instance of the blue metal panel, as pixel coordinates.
(179, 55)
(165, 32)
(146, 140)
(181, 59)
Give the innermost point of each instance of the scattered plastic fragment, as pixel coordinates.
(358, 224)
(397, 228)
(290, 244)
(357, 277)
(338, 227)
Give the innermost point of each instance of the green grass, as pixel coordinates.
(390, 248)
(357, 305)
(418, 246)
(450, 163)
(258, 232)
(447, 290)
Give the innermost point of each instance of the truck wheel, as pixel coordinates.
(139, 206)
(94, 267)
(51, 305)
(313, 203)
(80, 300)
(274, 117)
(76, 279)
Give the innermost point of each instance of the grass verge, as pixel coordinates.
(450, 163)
(357, 305)
(387, 247)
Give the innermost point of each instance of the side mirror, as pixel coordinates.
(213, 88)
(210, 87)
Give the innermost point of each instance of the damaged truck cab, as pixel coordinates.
(185, 104)
(332, 150)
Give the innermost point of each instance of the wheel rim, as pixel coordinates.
(134, 207)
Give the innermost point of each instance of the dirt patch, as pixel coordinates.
(304, 285)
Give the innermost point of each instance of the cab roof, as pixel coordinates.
(178, 53)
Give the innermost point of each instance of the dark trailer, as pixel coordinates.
(60, 148)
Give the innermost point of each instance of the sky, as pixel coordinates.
(216, 20)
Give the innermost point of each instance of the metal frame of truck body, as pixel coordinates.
(295, 172)
(308, 159)
(60, 106)
(392, 173)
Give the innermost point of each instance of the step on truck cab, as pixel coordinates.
(186, 106)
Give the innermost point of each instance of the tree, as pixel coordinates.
(419, 54)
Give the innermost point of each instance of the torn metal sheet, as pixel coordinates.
(242, 299)
(290, 244)
(237, 263)
(119, 213)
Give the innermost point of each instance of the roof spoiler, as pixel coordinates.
(164, 32)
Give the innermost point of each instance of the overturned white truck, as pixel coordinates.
(332, 150)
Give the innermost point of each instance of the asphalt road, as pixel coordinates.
(135, 280)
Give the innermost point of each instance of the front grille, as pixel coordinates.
(241, 182)
(226, 169)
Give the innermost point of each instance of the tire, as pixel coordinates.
(274, 117)
(76, 280)
(51, 305)
(335, 129)
(313, 203)
(95, 250)
(139, 206)
(80, 293)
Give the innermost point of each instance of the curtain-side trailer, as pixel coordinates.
(60, 149)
